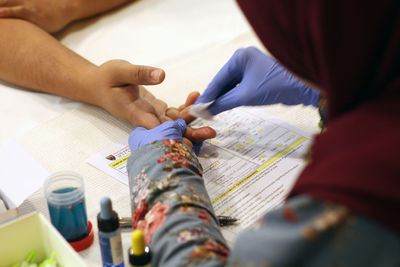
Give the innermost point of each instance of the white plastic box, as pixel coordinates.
(33, 231)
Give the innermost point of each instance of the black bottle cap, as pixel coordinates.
(107, 219)
(140, 260)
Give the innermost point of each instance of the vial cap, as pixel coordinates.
(106, 211)
(139, 253)
(138, 244)
(107, 219)
(85, 242)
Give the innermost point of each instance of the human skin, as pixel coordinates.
(53, 68)
(34, 59)
(51, 15)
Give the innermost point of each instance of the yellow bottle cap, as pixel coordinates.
(138, 244)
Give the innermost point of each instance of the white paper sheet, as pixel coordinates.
(248, 168)
(113, 161)
(20, 174)
(251, 165)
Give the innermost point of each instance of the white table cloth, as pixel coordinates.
(189, 39)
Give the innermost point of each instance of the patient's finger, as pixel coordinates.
(143, 114)
(159, 105)
(9, 3)
(183, 111)
(173, 113)
(200, 134)
(185, 115)
(122, 72)
(164, 118)
(191, 99)
(143, 119)
(12, 12)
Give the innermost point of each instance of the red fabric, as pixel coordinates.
(351, 50)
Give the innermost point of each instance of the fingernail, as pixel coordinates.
(155, 75)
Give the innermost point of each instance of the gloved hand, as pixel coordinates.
(251, 78)
(168, 130)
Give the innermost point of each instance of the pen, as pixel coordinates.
(126, 222)
(226, 220)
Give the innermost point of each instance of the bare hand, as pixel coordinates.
(194, 135)
(120, 93)
(50, 15)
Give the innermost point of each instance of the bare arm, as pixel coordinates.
(88, 8)
(53, 15)
(33, 59)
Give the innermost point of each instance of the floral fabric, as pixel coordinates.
(171, 206)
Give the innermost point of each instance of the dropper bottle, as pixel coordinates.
(139, 253)
(109, 235)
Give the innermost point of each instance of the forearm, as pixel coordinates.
(87, 8)
(172, 207)
(175, 213)
(33, 59)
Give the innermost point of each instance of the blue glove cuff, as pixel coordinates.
(315, 96)
(181, 125)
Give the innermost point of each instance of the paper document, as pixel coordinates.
(20, 174)
(248, 168)
(113, 161)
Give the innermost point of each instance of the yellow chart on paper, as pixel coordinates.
(269, 162)
(121, 161)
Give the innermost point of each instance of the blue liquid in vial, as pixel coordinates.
(70, 219)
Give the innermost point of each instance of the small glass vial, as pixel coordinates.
(66, 201)
(109, 235)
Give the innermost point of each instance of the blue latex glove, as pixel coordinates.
(251, 78)
(168, 130)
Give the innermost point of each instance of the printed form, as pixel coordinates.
(249, 167)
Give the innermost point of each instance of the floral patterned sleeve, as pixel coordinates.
(171, 206)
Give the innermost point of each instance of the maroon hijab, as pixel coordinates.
(351, 50)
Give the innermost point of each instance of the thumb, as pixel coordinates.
(122, 72)
(227, 101)
(225, 80)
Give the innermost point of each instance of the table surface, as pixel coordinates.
(190, 40)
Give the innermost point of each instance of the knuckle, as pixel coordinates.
(240, 52)
(242, 55)
(113, 63)
(251, 49)
(24, 11)
(138, 74)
